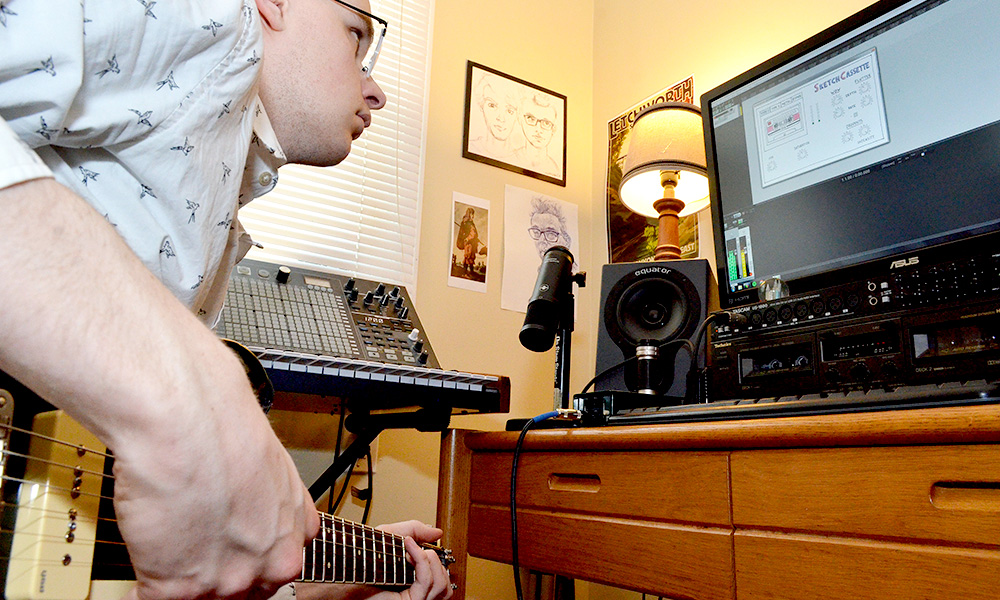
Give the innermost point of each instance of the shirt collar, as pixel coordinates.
(265, 154)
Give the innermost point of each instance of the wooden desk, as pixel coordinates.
(888, 505)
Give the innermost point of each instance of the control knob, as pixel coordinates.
(860, 372)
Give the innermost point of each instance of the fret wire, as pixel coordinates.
(321, 540)
(374, 556)
(375, 561)
(364, 555)
(343, 563)
(354, 556)
(369, 550)
(314, 557)
(395, 563)
(385, 561)
(329, 546)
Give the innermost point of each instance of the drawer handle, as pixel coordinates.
(573, 482)
(966, 495)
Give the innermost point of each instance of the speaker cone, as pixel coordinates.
(659, 306)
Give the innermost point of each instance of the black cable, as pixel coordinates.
(513, 498)
(723, 317)
(343, 491)
(368, 500)
(336, 454)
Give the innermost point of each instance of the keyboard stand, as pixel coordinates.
(367, 426)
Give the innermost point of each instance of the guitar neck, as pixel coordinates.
(348, 552)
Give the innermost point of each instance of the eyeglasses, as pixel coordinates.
(551, 235)
(532, 120)
(368, 64)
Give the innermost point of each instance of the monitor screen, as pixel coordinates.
(875, 138)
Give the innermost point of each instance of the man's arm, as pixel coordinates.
(208, 501)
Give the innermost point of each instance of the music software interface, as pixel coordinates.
(881, 141)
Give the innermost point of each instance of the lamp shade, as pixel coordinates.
(665, 137)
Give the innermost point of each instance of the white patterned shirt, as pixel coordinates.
(149, 111)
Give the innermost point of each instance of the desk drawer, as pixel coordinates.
(686, 487)
(679, 561)
(918, 493)
(776, 566)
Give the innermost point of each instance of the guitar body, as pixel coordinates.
(56, 505)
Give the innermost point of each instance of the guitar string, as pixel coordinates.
(53, 440)
(46, 512)
(54, 463)
(49, 487)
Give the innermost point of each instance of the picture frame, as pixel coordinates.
(514, 125)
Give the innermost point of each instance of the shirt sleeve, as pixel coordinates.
(18, 162)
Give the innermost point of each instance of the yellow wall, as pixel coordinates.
(604, 55)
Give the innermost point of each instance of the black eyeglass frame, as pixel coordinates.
(367, 69)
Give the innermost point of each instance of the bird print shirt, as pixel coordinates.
(149, 111)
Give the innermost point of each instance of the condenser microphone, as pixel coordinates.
(541, 319)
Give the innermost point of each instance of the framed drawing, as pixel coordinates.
(514, 125)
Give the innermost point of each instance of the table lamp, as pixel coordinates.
(664, 174)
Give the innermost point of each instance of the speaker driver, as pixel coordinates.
(662, 305)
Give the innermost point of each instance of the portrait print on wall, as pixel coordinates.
(514, 125)
(470, 237)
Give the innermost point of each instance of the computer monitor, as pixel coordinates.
(873, 140)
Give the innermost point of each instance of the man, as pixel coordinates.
(548, 225)
(498, 101)
(145, 113)
(538, 122)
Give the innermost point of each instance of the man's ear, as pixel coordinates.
(273, 13)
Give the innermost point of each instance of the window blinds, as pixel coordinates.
(361, 217)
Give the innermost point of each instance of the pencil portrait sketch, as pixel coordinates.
(533, 223)
(514, 125)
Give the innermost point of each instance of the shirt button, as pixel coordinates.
(264, 178)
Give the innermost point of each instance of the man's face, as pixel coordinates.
(538, 123)
(312, 87)
(499, 113)
(548, 227)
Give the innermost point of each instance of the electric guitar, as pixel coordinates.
(58, 535)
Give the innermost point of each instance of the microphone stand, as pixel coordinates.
(567, 304)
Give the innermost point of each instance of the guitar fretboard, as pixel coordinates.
(348, 552)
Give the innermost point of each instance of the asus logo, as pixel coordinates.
(904, 262)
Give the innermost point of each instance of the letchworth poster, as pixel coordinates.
(632, 237)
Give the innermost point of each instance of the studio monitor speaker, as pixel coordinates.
(655, 301)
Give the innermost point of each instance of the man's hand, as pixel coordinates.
(227, 494)
(432, 581)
